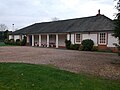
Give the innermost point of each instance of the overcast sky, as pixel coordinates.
(26, 12)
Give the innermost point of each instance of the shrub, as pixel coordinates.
(95, 48)
(118, 53)
(87, 45)
(6, 41)
(67, 44)
(24, 41)
(18, 42)
(74, 46)
(11, 42)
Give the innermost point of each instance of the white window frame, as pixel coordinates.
(76, 38)
(104, 43)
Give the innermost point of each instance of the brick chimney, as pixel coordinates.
(98, 12)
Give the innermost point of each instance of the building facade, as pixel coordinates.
(98, 28)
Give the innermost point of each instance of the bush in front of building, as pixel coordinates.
(75, 46)
(67, 43)
(11, 42)
(24, 41)
(6, 41)
(87, 45)
(95, 48)
(18, 42)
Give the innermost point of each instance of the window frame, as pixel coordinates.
(80, 38)
(102, 39)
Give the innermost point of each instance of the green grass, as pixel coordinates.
(3, 44)
(15, 76)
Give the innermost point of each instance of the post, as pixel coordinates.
(68, 36)
(56, 40)
(32, 40)
(47, 40)
(27, 38)
(39, 40)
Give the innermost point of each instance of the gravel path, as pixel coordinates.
(97, 63)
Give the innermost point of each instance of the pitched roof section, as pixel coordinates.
(86, 24)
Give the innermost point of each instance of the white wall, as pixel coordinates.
(111, 40)
(90, 36)
(16, 37)
(10, 37)
(61, 39)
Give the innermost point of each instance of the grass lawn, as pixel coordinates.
(3, 44)
(15, 76)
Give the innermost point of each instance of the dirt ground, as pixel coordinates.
(97, 63)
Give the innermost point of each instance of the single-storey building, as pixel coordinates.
(98, 28)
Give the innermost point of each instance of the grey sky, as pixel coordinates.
(25, 12)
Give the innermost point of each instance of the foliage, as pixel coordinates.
(18, 42)
(3, 27)
(3, 44)
(40, 77)
(117, 24)
(6, 41)
(6, 34)
(95, 48)
(55, 19)
(11, 42)
(74, 46)
(87, 45)
(67, 43)
(118, 53)
(1, 36)
(24, 41)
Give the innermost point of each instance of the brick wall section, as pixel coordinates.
(102, 47)
(114, 49)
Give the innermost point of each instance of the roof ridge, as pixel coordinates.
(66, 19)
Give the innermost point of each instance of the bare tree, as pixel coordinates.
(55, 19)
(3, 27)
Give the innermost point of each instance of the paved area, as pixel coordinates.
(97, 63)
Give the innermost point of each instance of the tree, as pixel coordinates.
(6, 34)
(117, 24)
(3, 27)
(55, 19)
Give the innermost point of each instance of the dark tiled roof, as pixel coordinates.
(86, 24)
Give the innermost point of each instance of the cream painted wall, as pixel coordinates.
(10, 37)
(90, 36)
(16, 37)
(111, 40)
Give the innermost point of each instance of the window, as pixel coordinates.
(78, 37)
(102, 38)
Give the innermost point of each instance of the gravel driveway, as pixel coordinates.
(97, 63)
